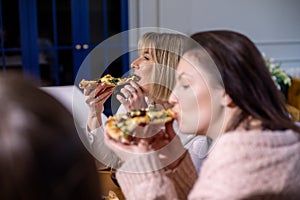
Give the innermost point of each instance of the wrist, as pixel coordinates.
(94, 120)
(175, 164)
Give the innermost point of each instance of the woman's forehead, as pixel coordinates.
(203, 67)
(186, 65)
(143, 51)
(189, 69)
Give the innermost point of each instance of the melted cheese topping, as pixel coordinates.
(123, 125)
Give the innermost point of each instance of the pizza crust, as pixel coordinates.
(83, 83)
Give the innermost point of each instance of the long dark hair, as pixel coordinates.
(246, 79)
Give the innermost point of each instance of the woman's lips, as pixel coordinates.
(137, 78)
(175, 114)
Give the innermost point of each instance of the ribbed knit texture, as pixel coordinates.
(241, 165)
(156, 184)
(248, 164)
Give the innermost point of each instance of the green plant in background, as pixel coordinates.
(280, 77)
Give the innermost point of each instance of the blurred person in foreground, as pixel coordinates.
(41, 155)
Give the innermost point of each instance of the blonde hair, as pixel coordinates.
(166, 49)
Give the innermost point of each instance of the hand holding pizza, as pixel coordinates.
(164, 146)
(97, 93)
(138, 146)
(133, 96)
(141, 132)
(95, 97)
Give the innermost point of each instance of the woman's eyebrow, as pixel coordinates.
(180, 76)
(183, 74)
(146, 51)
(143, 52)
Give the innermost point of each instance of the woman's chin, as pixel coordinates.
(183, 129)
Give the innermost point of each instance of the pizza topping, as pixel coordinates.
(136, 113)
(109, 80)
(111, 196)
(120, 127)
(161, 117)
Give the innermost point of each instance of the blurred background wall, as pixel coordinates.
(274, 25)
(50, 39)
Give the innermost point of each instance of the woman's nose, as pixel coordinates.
(172, 98)
(135, 64)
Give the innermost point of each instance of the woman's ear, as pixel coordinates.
(227, 101)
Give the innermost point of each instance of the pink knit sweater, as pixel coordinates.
(241, 165)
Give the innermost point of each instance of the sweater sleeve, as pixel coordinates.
(156, 184)
(250, 164)
(99, 150)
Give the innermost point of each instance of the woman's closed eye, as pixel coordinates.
(146, 56)
(186, 86)
(183, 82)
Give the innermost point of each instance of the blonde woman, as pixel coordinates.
(159, 54)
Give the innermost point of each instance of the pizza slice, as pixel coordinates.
(109, 80)
(111, 196)
(120, 127)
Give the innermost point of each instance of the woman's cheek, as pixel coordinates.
(195, 112)
(188, 123)
(189, 114)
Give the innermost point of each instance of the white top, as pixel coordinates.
(73, 99)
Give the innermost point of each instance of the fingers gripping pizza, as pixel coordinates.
(107, 79)
(121, 126)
